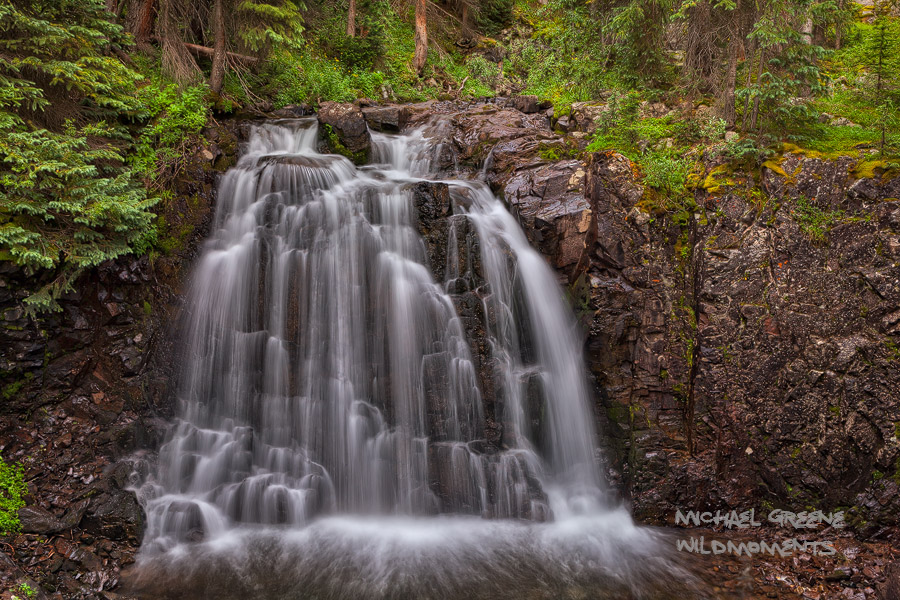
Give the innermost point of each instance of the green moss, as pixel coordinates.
(147, 308)
(11, 390)
(774, 165)
(870, 169)
(12, 493)
(718, 178)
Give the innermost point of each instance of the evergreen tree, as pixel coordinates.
(882, 52)
(66, 199)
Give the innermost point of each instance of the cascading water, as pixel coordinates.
(330, 407)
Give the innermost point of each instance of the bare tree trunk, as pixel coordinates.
(176, 60)
(421, 54)
(351, 19)
(465, 20)
(806, 31)
(728, 101)
(217, 74)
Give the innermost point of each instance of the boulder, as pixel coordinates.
(386, 118)
(35, 519)
(527, 104)
(348, 124)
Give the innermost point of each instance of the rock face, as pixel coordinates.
(549, 201)
(743, 358)
(349, 126)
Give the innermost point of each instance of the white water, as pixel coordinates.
(328, 390)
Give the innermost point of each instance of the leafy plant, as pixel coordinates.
(176, 114)
(12, 491)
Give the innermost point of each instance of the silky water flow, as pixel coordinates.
(330, 439)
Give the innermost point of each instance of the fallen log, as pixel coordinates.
(208, 52)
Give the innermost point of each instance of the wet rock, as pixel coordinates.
(432, 202)
(386, 118)
(35, 519)
(764, 369)
(114, 515)
(348, 124)
(558, 219)
(293, 111)
(526, 104)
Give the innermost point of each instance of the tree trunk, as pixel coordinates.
(734, 48)
(217, 75)
(806, 32)
(421, 54)
(465, 20)
(728, 101)
(351, 19)
(139, 21)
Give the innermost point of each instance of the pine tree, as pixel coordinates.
(882, 50)
(66, 199)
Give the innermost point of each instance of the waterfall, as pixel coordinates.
(328, 395)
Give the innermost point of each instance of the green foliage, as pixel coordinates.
(638, 27)
(483, 70)
(175, 115)
(12, 492)
(307, 77)
(814, 221)
(564, 60)
(27, 591)
(367, 47)
(666, 172)
(651, 144)
(264, 25)
(56, 45)
(790, 74)
(493, 15)
(66, 199)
